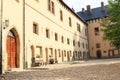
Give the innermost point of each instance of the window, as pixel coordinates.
(56, 36)
(78, 27)
(62, 39)
(37, 0)
(83, 45)
(86, 46)
(17, 1)
(61, 15)
(78, 44)
(70, 22)
(47, 33)
(52, 3)
(98, 45)
(104, 51)
(59, 52)
(68, 41)
(64, 53)
(96, 30)
(51, 6)
(111, 44)
(51, 51)
(40, 48)
(73, 42)
(35, 28)
(85, 32)
(70, 53)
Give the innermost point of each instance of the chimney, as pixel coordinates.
(83, 10)
(73, 9)
(88, 9)
(102, 6)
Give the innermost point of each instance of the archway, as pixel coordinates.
(12, 46)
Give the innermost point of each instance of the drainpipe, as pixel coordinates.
(89, 56)
(24, 63)
(1, 17)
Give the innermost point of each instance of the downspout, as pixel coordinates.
(1, 19)
(88, 42)
(24, 63)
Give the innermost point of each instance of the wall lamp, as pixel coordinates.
(6, 23)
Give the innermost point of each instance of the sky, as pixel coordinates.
(77, 5)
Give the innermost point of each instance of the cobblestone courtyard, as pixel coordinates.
(106, 71)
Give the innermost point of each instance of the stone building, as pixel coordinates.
(45, 27)
(97, 46)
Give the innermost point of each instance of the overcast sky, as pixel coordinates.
(79, 4)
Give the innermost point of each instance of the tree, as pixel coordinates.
(111, 24)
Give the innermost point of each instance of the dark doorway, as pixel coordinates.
(98, 54)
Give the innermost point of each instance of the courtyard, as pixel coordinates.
(103, 69)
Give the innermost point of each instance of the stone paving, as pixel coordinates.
(108, 69)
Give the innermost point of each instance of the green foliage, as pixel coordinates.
(50, 56)
(38, 56)
(111, 24)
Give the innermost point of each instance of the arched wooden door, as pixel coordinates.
(11, 50)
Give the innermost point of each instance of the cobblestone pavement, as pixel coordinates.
(104, 71)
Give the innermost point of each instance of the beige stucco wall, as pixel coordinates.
(39, 13)
(12, 11)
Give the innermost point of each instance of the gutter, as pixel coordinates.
(1, 20)
(24, 63)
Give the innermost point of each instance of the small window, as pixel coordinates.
(104, 51)
(83, 45)
(78, 44)
(37, 1)
(47, 33)
(78, 27)
(56, 36)
(86, 46)
(40, 48)
(51, 6)
(51, 51)
(59, 52)
(70, 22)
(98, 45)
(68, 41)
(111, 45)
(85, 32)
(61, 15)
(96, 30)
(17, 1)
(35, 28)
(64, 53)
(62, 39)
(73, 42)
(71, 53)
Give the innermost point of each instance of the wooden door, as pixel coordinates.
(11, 50)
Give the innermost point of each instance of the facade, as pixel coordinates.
(56, 31)
(44, 27)
(11, 34)
(98, 47)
